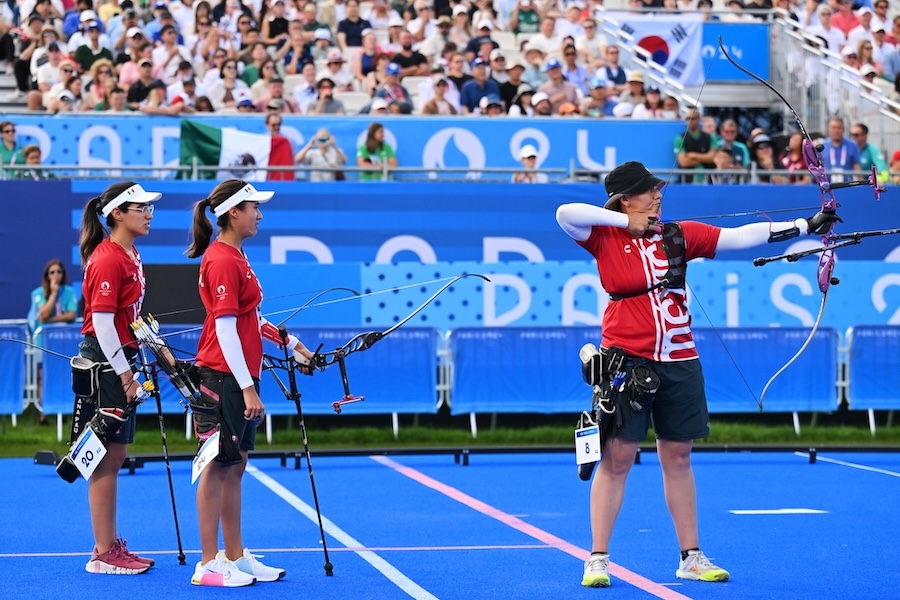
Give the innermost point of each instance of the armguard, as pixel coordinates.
(780, 236)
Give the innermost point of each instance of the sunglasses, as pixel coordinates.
(55, 272)
(204, 23)
(9, 130)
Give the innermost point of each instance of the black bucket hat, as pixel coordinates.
(628, 179)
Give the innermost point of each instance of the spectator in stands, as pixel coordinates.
(92, 51)
(169, 54)
(424, 24)
(879, 46)
(433, 45)
(631, 323)
(51, 302)
(456, 70)
(374, 154)
(671, 110)
(222, 92)
(439, 105)
(863, 31)
(869, 154)
(845, 19)
(764, 160)
(273, 29)
(880, 15)
(323, 156)
(840, 155)
(890, 66)
(311, 25)
(121, 27)
(612, 72)
(705, 8)
(365, 61)
(480, 86)
(81, 37)
(395, 28)
(410, 62)
(528, 158)
(381, 14)
(29, 41)
(591, 45)
(634, 92)
(461, 31)
(156, 103)
(497, 67)
(737, 14)
(576, 74)
(32, 154)
(534, 74)
(510, 88)
(343, 79)
(351, 29)
(546, 39)
(521, 102)
(49, 12)
(139, 69)
(728, 140)
(10, 152)
(321, 45)
(391, 90)
(600, 102)
(708, 125)
(253, 71)
(376, 78)
(48, 75)
(102, 81)
(305, 92)
(865, 55)
(694, 149)
(724, 164)
(835, 38)
(557, 88)
(482, 39)
(203, 105)
(294, 54)
(792, 160)
(326, 103)
(651, 108)
(491, 106)
(524, 18)
(540, 103)
(131, 41)
(69, 99)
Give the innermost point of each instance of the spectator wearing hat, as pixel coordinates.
(461, 32)
(481, 39)
(634, 91)
(521, 102)
(524, 18)
(569, 109)
(343, 80)
(556, 87)
(591, 45)
(69, 99)
(845, 19)
(534, 74)
(834, 37)
(391, 90)
(169, 54)
(323, 156)
(528, 157)
(497, 66)
(540, 103)
(310, 22)
(764, 160)
(274, 98)
(326, 103)
(600, 101)
(244, 103)
(510, 87)
(879, 46)
(576, 74)
(350, 30)
(115, 22)
(694, 149)
(480, 86)
(321, 44)
(485, 11)
(863, 31)
(184, 74)
(72, 18)
(87, 54)
(426, 89)
(129, 40)
(409, 61)
(439, 105)
(612, 72)
(80, 37)
(547, 39)
(424, 25)
(434, 44)
(491, 106)
(652, 107)
(155, 103)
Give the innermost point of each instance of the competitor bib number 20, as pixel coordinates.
(88, 452)
(587, 445)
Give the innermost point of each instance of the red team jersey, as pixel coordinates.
(113, 283)
(229, 287)
(655, 325)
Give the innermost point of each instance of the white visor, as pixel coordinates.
(247, 193)
(133, 195)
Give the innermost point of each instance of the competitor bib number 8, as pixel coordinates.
(587, 445)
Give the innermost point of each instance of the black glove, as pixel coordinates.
(821, 221)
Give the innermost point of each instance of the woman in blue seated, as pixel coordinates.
(51, 302)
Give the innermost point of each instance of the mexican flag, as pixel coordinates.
(227, 148)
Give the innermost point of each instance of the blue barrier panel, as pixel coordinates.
(517, 369)
(57, 395)
(399, 374)
(808, 385)
(12, 362)
(873, 362)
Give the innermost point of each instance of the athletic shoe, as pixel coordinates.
(596, 571)
(147, 561)
(220, 572)
(698, 568)
(115, 561)
(249, 565)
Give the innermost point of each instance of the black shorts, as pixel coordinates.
(679, 410)
(232, 405)
(112, 394)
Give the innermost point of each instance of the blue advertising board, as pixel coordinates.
(747, 43)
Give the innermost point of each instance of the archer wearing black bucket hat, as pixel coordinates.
(646, 332)
(629, 179)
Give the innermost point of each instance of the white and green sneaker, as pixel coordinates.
(698, 568)
(596, 571)
(249, 565)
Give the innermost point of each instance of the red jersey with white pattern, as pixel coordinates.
(655, 325)
(229, 287)
(113, 283)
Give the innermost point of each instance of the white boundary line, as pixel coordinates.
(843, 463)
(388, 570)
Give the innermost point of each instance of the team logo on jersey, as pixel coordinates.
(104, 288)
(221, 292)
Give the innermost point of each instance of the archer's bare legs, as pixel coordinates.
(680, 490)
(608, 489)
(102, 496)
(231, 511)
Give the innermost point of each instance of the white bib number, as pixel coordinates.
(88, 452)
(587, 444)
(208, 452)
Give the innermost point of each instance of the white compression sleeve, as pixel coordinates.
(230, 343)
(576, 219)
(105, 330)
(755, 234)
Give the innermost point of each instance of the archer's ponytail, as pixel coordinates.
(91, 229)
(201, 230)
